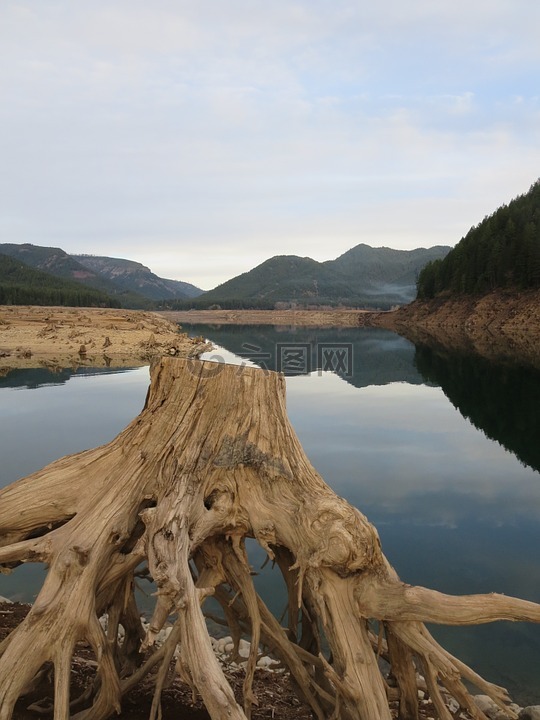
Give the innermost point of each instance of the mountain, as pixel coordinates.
(54, 261)
(58, 263)
(284, 277)
(24, 285)
(502, 252)
(133, 284)
(363, 276)
(135, 277)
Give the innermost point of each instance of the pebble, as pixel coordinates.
(452, 704)
(531, 712)
(494, 712)
(223, 647)
(486, 705)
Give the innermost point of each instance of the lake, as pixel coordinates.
(440, 450)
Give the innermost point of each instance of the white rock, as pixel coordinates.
(531, 712)
(5, 600)
(162, 635)
(244, 648)
(494, 712)
(486, 705)
(222, 643)
(452, 704)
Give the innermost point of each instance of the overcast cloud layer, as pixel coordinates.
(203, 137)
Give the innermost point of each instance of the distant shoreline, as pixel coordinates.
(319, 318)
(501, 324)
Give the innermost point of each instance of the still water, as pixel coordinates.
(440, 451)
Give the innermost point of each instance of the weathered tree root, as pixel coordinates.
(211, 460)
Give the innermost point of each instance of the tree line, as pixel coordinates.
(503, 251)
(22, 285)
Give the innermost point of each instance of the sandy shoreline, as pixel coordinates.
(72, 337)
(318, 318)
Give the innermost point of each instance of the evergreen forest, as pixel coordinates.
(23, 285)
(502, 252)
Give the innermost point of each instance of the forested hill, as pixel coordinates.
(134, 277)
(502, 252)
(364, 276)
(23, 285)
(131, 284)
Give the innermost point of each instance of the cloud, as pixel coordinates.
(249, 129)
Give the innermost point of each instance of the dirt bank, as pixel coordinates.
(71, 337)
(319, 318)
(501, 324)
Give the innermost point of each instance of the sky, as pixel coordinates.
(201, 138)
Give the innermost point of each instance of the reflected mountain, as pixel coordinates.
(33, 378)
(500, 399)
(360, 356)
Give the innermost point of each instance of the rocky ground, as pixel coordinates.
(273, 688)
(72, 337)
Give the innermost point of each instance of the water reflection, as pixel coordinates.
(45, 415)
(502, 400)
(361, 358)
(33, 378)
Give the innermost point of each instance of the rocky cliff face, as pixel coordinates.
(134, 276)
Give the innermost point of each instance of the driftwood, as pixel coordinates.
(210, 461)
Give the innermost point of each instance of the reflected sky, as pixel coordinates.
(384, 447)
(39, 424)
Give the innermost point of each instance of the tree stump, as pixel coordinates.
(212, 460)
